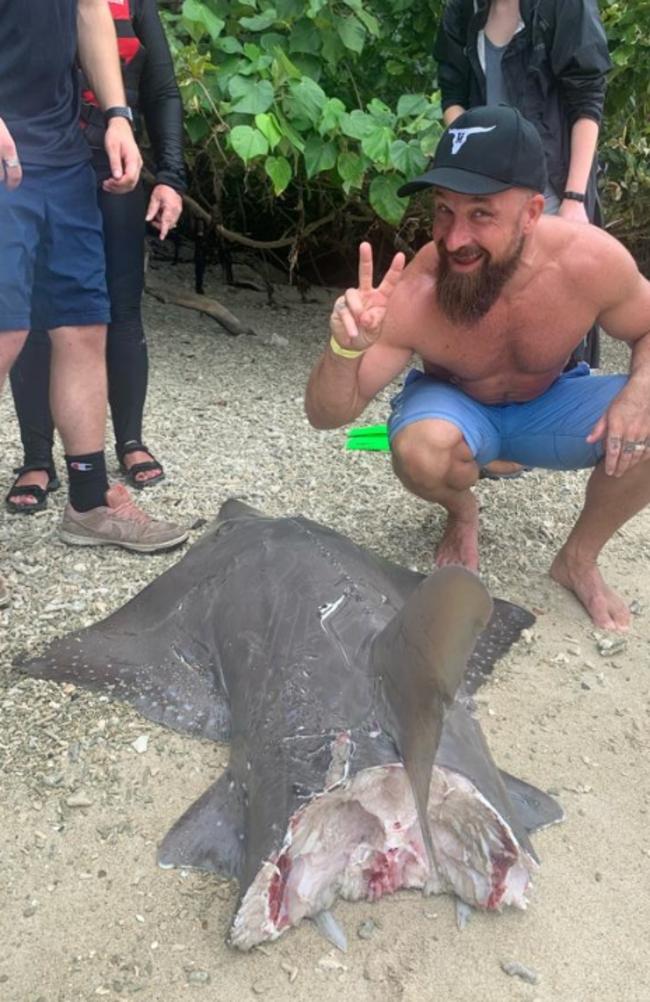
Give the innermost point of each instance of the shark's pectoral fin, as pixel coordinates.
(167, 684)
(420, 659)
(210, 834)
(535, 808)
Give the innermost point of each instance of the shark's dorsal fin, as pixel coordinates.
(420, 659)
(210, 834)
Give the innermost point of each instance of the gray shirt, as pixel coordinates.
(495, 90)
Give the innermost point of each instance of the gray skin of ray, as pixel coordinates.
(263, 635)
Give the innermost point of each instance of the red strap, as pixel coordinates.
(120, 9)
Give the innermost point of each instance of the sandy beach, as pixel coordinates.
(85, 913)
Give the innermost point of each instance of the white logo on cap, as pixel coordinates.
(460, 136)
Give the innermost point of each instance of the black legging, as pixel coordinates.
(126, 347)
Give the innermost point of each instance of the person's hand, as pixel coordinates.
(12, 173)
(123, 156)
(358, 314)
(165, 206)
(625, 429)
(572, 211)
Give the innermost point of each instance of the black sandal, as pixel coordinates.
(130, 473)
(34, 490)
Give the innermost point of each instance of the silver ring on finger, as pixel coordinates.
(340, 304)
(11, 162)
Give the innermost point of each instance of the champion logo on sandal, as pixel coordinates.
(82, 467)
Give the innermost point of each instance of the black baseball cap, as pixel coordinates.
(485, 150)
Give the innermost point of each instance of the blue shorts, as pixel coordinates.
(549, 431)
(52, 270)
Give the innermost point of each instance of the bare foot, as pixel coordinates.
(131, 458)
(607, 609)
(502, 468)
(40, 478)
(459, 544)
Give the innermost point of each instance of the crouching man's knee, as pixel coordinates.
(432, 455)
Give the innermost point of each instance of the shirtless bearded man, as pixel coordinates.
(494, 306)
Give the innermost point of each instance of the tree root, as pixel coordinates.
(203, 304)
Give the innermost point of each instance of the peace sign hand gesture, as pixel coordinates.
(358, 314)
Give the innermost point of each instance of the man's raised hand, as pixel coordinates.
(359, 313)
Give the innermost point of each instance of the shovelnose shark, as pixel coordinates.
(343, 683)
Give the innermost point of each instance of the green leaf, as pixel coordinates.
(279, 170)
(285, 68)
(289, 133)
(250, 96)
(351, 168)
(248, 143)
(380, 112)
(304, 37)
(430, 139)
(197, 127)
(309, 66)
(319, 156)
(384, 199)
(407, 157)
(260, 22)
(351, 32)
(289, 9)
(272, 40)
(331, 115)
(411, 104)
(377, 144)
(270, 129)
(369, 21)
(229, 45)
(305, 100)
(357, 124)
(200, 14)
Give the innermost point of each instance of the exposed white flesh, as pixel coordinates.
(362, 839)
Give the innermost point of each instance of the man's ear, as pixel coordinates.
(533, 209)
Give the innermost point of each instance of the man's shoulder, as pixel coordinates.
(578, 246)
(591, 260)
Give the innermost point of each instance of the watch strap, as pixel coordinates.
(575, 196)
(119, 111)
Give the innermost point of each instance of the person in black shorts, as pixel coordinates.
(51, 247)
(152, 92)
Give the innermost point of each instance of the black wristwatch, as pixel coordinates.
(575, 196)
(118, 111)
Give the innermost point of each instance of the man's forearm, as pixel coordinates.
(584, 139)
(332, 398)
(640, 364)
(98, 52)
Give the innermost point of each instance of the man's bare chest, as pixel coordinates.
(533, 335)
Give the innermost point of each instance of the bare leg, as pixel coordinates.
(11, 343)
(609, 503)
(78, 387)
(432, 460)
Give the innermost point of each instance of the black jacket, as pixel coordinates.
(151, 89)
(554, 70)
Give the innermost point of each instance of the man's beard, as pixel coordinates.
(464, 299)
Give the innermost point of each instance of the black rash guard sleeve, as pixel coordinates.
(160, 99)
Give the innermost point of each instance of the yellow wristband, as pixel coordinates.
(344, 352)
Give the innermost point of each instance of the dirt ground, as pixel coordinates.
(85, 912)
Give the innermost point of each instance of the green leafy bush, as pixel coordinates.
(308, 110)
(312, 100)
